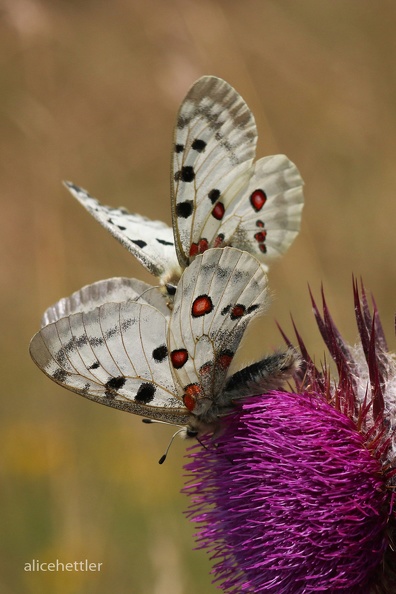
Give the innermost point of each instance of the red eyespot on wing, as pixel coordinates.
(263, 248)
(189, 402)
(202, 305)
(260, 223)
(260, 236)
(218, 211)
(199, 248)
(178, 358)
(219, 240)
(191, 393)
(224, 359)
(257, 199)
(206, 368)
(202, 245)
(237, 311)
(194, 251)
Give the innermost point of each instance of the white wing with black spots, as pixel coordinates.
(151, 242)
(214, 146)
(115, 354)
(218, 295)
(111, 290)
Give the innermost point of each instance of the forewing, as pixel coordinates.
(111, 290)
(214, 146)
(264, 217)
(151, 242)
(217, 296)
(116, 355)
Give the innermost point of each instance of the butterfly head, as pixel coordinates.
(169, 282)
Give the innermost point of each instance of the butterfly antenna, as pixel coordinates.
(163, 457)
(146, 291)
(182, 428)
(152, 421)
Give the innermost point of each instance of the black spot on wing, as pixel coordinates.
(198, 145)
(185, 174)
(78, 190)
(163, 242)
(139, 242)
(115, 383)
(214, 195)
(145, 393)
(94, 365)
(160, 353)
(110, 220)
(252, 308)
(179, 148)
(185, 209)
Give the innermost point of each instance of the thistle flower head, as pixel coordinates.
(296, 494)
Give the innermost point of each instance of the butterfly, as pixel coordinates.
(219, 196)
(170, 366)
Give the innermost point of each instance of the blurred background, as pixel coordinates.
(89, 92)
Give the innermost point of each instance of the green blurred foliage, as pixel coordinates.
(89, 92)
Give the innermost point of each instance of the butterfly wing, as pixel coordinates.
(113, 290)
(219, 197)
(151, 242)
(216, 298)
(116, 355)
(214, 146)
(264, 217)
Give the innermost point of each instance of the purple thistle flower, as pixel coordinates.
(296, 494)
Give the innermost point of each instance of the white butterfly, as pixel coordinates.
(174, 368)
(219, 197)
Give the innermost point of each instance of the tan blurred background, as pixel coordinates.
(89, 92)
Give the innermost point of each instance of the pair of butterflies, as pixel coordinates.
(164, 352)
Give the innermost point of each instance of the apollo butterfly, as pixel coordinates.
(219, 195)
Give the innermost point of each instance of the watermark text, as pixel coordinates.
(36, 565)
